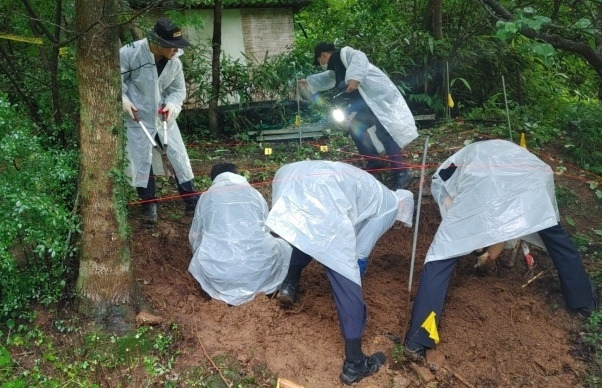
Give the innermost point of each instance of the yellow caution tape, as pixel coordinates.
(25, 39)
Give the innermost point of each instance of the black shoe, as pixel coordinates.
(352, 373)
(585, 312)
(415, 355)
(402, 180)
(288, 294)
(190, 208)
(149, 213)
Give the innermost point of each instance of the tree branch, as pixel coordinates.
(586, 51)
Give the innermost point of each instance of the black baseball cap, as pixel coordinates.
(168, 35)
(320, 48)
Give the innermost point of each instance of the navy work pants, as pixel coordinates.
(358, 129)
(348, 296)
(436, 275)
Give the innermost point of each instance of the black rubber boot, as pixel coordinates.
(402, 179)
(288, 294)
(149, 213)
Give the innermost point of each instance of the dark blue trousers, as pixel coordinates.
(348, 296)
(436, 275)
(358, 129)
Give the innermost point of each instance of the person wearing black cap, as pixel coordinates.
(376, 101)
(153, 89)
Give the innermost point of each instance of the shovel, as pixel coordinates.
(167, 168)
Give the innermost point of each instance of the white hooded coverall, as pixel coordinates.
(235, 256)
(148, 91)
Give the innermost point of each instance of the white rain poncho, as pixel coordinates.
(235, 256)
(334, 212)
(498, 192)
(381, 95)
(147, 91)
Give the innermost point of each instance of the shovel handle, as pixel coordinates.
(143, 127)
(164, 117)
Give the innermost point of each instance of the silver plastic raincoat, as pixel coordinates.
(497, 192)
(235, 256)
(334, 212)
(381, 95)
(147, 91)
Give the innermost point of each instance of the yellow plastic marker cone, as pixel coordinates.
(450, 101)
(267, 151)
(523, 141)
(430, 326)
(297, 120)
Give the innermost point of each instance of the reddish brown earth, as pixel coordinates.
(496, 331)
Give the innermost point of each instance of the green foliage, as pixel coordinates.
(92, 357)
(593, 339)
(584, 134)
(37, 185)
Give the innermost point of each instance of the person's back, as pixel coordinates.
(235, 257)
(332, 211)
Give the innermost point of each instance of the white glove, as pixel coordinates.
(170, 110)
(485, 263)
(128, 107)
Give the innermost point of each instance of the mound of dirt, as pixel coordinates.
(495, 331)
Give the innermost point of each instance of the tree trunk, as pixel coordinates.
(433, 21)
(105, 286)
(215, 66)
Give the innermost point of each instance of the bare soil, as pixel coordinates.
(496, 330)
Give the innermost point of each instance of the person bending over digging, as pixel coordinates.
(235, 256)
(490, 192)
(335, 213)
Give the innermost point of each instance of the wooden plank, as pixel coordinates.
(290, 136)
(424, 117)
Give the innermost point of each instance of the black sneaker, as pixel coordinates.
(288, 294)
(402, 180)
(149, 213)
(352, 373)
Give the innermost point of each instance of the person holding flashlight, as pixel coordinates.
(376, 101)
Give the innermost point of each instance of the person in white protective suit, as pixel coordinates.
(490, 192)
(376, 101)
(235, 256)
(335, 213)
(153, 88)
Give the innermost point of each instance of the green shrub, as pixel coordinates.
(37, 185)
(584, 130)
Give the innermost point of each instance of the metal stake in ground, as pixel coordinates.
(507, 111)
(415, 241)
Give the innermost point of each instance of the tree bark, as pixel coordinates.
(215, 67)
(433, 21)
(105, 286)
